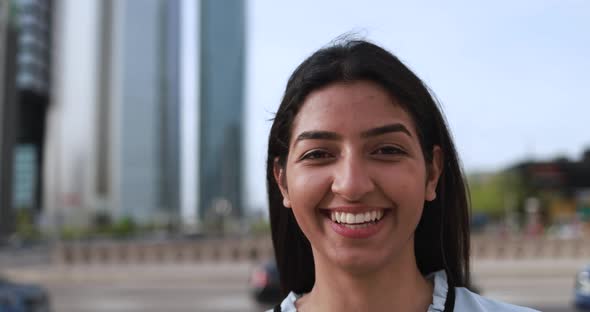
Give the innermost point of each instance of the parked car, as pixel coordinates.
(16, 297)
(265, 284)
(582, 289)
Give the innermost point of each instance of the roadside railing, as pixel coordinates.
(529, 248)
(251, 249)
(257, 249)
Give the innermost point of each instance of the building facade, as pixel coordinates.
(34, 24)
(7, 114)
(560, 187)
(118, 130)
(221, 107)
(26, 40)
(146, 107)
(122, 158)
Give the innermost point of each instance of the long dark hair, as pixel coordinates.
(442, 236)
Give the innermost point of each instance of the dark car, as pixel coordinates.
(15, 297)
(265, 284)
(582, 289)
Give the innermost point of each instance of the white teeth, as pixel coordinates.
(359, 218)
(356, 219)
(350, 219)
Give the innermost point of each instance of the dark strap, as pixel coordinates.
(449, 303)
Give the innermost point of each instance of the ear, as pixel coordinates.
(435, 169)
(281, 179)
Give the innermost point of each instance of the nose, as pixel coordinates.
(352, 180)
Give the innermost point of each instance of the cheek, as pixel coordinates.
(306, 191)
(307, 187)
(405, 186)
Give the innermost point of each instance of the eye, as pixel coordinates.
(389, 150)
(316, 154)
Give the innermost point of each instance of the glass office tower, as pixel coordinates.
(221, 107)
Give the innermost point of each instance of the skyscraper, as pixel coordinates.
(221, 106)
(25, 64)
(146, 107)
(7, 114)
(34, 24)
(118, 126)
(127, 146)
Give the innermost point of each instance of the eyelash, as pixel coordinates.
(383, 150)
(315, 154)
(392, 150)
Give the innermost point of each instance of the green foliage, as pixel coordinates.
(73, 233)
(125, 227)
(25, 225)
(260, 227)
(494, 193)
(101, 226)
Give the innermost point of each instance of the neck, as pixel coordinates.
(398, 286)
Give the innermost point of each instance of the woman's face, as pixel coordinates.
(355, 175)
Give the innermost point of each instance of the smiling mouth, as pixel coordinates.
(356, 220)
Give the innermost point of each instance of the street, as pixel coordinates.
(198, 287)
(542, 284)
(545, 284)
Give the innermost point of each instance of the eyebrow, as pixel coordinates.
(396, 127)
(317, 135)
(327, 135)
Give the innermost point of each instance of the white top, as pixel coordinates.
(465, 300)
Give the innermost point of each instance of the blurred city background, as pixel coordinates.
(133, 135)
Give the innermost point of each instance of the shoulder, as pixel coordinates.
(466, 300)
(288, 304)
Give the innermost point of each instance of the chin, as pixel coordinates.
(361, 263)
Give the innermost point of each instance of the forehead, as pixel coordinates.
(350, 107)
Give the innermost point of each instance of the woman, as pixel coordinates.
(368, 206)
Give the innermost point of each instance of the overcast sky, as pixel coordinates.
(512, 76)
